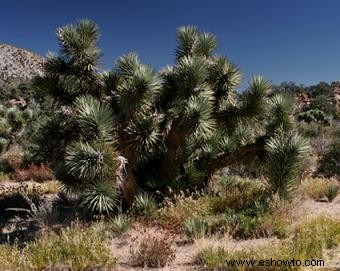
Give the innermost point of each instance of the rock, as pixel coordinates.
(18, 65)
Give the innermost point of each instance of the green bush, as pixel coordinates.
(237, 193)
(329, 164)
(305, 244)
(73, 248)
(144, 205)
(121, 224)
(196, 227)
(332, 191)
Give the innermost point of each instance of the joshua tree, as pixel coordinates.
(134, 127)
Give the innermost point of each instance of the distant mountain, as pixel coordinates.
(18, 65)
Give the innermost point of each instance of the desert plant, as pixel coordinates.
(237, 193)
(152, 252)
(285, 155)
(184, 207)
(144, 205)
(173, 128)
(36, 173)
(329, 165)
(315, 115)
(121, 224)
(74, 248)
(101, 197)
(332, 191)
(196, 228)
(309, 245)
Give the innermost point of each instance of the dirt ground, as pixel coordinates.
(185, 253)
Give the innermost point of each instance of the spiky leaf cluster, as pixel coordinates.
(173, 128)
(285, 154)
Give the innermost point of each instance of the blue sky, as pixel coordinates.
(284, 40)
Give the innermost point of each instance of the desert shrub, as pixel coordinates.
(284, 163)
(74, 248)
(4, 176)
(305, 244)
(38, 173)
(144, 205)
(14, 160)
(3, 144)
(237, 193)
(153, 252)
(270, 226)
(309, 130)
(318, 188)
(314, 115)
(329, 164)
(248, 226)
(175, 212)
(11, 258)
(4, 166)
(308, 244)
(77, 248)
(196, 227)
(221, 224)
(332, 191)
(121, 224)
(322, 103)
(277, 219)
(213, 259)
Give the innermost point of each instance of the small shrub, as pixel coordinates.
(248, 226)
(14, 160)
(3, 144)
(4, 177)
(237, 193)
(308, 244)
(10, 258)
(332, 191)
(144, 205)
(214, 259)
(270, 226)
(38, 173)
(75, 248)
(174, 213)
(121, 224)
(319, 188)
(153, 252)
(277, 219)
(196, 227)
(220, 224)
(329, 164)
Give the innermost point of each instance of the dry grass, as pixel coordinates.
(175, 213)
(75, 248)
(153, 252)
(31, 188)
(310, 240)
(317, 188)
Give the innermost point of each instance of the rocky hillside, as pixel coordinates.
(18, 65)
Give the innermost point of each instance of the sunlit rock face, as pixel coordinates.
(18, 65)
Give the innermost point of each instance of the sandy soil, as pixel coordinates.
(185, 253)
